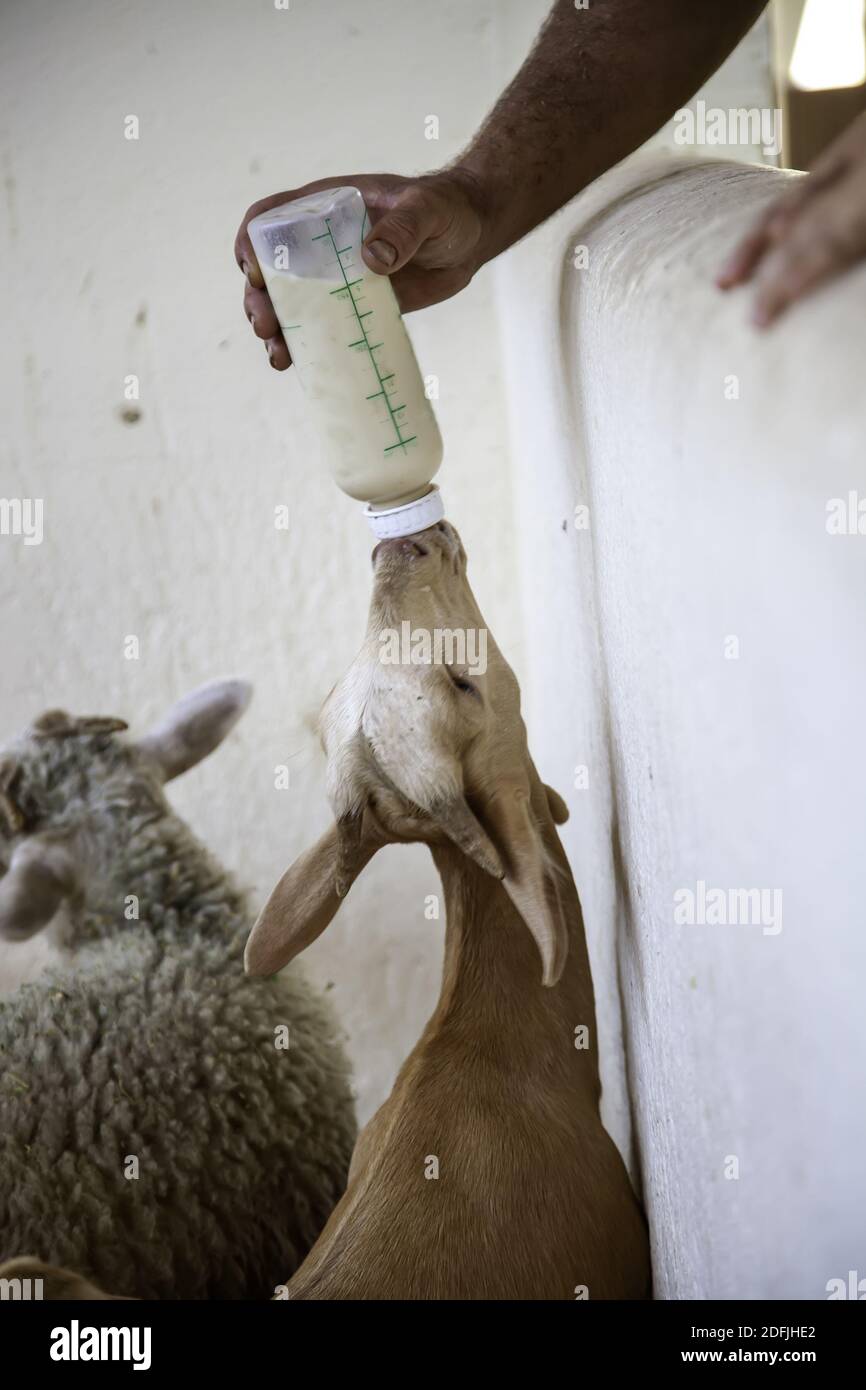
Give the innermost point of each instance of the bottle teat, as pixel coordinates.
(391, 522)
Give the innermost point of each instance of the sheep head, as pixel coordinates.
(424, 741)
(74, 795)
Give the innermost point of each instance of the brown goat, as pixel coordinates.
(487, 1173)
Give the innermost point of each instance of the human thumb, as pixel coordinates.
(397, 235)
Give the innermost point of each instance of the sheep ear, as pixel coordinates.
(534, 881)
(41, 874)
(306, 899)
(195, 726)
(9, 809)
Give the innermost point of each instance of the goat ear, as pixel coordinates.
(306, 899)
(195, 726)
(468, 834)
(559, 812)
(534, 881)
(41, 874)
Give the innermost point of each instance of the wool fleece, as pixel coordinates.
(169, 1128)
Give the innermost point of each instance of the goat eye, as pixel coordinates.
(460, 683)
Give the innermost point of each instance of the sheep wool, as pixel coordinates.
(169, 1127)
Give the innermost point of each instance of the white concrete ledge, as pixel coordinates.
(701, 650)
(732, 636)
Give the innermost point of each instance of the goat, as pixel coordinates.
(487, 1174)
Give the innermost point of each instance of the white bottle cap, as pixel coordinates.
(406, 520)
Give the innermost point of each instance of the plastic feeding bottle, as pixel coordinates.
(353, 357)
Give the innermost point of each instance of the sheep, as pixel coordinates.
(168, 1127)
(487, 1174)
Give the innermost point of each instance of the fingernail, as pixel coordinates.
(383, 251)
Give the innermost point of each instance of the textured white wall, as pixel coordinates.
(758, 761)
(707, 519)
(117, 258)
(708, 522)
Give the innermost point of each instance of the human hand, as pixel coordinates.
(813, 232)
(427, 234)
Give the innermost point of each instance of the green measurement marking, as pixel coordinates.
(365, 342)
(341, 289)
(403, 442)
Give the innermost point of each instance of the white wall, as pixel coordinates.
(708, 467)
(117, 258)
(707, 519)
